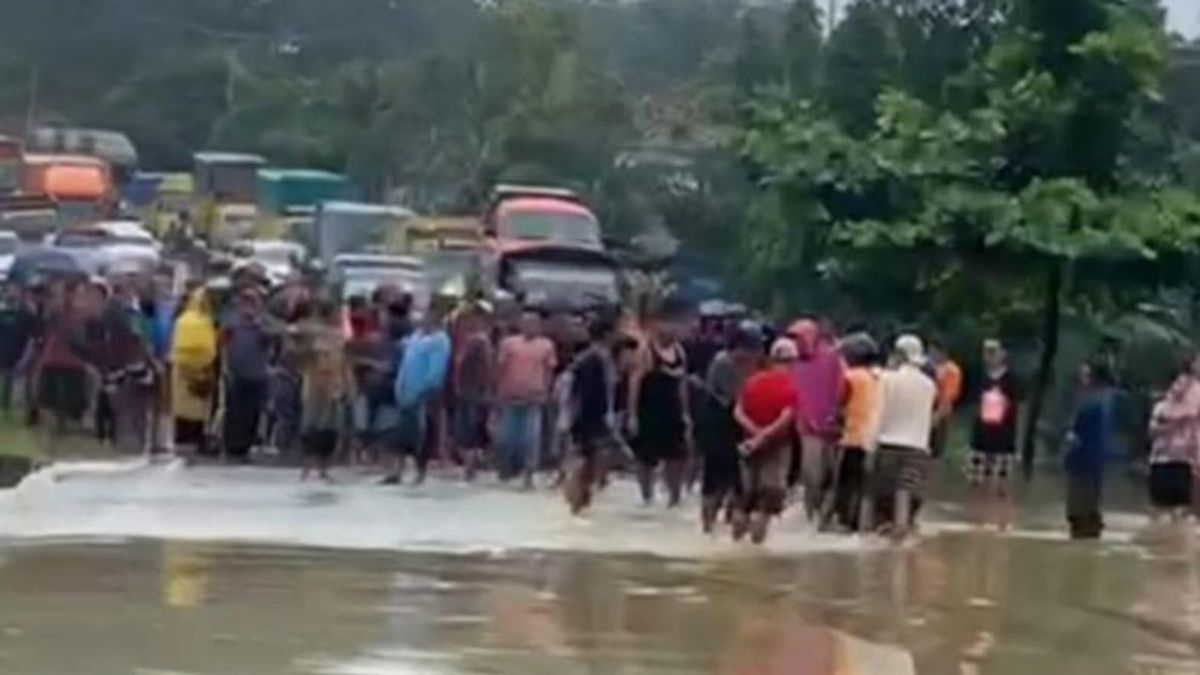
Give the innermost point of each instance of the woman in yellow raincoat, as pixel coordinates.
(194, 373)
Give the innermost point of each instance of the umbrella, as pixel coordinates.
(43, 262)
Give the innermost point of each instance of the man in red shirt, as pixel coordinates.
(766, 411)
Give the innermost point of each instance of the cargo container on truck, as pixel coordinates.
(226, 187)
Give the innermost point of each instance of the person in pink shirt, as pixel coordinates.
(525, 366)
(819, 377)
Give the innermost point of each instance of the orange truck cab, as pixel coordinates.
(539, 214)
(81, 187)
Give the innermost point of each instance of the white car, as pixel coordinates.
(361, 274)
(8, 252)
(111, 247)
(281, 259)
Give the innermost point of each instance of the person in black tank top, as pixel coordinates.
(659, 413)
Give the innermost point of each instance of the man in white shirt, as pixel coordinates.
(908, 397)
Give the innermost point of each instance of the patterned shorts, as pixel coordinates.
(989, 469)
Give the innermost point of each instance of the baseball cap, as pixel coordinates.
(784, 349)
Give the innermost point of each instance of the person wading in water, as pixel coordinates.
(592, 428)
(660, 425)
(766, 411)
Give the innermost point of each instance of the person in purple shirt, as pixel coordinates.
(819, 380)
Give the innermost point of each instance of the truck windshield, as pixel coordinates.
(81, 239)
(556, 282)
(8, 245)
(564, 227)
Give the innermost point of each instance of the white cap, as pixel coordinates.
(785, 349)
(911, 349)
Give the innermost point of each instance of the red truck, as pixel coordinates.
(544, 248)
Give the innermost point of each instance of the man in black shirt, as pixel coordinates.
(592, 430)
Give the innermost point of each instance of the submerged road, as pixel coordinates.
(119, 568)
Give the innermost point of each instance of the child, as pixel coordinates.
(1091, 437)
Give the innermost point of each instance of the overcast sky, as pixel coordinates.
(1184, 16)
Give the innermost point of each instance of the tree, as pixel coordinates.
(1029, 185)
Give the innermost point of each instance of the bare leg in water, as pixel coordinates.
(673, 475)
(645, 477)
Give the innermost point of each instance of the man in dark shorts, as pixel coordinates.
(766, 411)
(424, 362)
(246, 346)
(994, 437)
(659, 422)
(718, 432)
(592, 387)
(473, 373)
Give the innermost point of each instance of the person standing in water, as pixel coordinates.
(659, 423)
(473, 379)
(907, 399)
(1175, 438)
(326, 384)
(818, 374)
(766, 411)
(524, 375)
(719, 434)
(593, 434)
(194, 371)
(424, 363)
(1091, 440)
(247, 347)
(994, 438)
(860, 411)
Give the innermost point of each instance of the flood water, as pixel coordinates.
(112, 569)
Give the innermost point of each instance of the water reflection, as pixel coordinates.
(956, 604)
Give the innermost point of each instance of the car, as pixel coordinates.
(279, 258)
(111, 247)
(9, 242)
(361, 274)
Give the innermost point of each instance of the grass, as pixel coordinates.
(19, 440)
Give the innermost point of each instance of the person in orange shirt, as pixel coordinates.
(860, 411)
(949, 377)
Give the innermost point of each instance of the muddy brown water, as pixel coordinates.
(957, 603)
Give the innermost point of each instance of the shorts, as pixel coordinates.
(660, 443)
(408, 434)
(990, 469)
(764, 478)
(597, 445)
(319, 443)
(898, 468)
(1171, 485)
(470, 425)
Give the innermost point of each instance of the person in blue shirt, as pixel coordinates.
(424, 362)
(1091, 442)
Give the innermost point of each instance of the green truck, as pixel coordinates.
(288, 199)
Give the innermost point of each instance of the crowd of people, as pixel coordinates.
(848, 429)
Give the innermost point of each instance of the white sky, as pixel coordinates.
(1184, 16)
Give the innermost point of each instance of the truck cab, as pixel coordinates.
(540, 214)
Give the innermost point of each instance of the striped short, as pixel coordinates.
(990, 469)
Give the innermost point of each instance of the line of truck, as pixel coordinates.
(540, 245)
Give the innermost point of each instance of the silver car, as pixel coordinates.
(111, 247)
